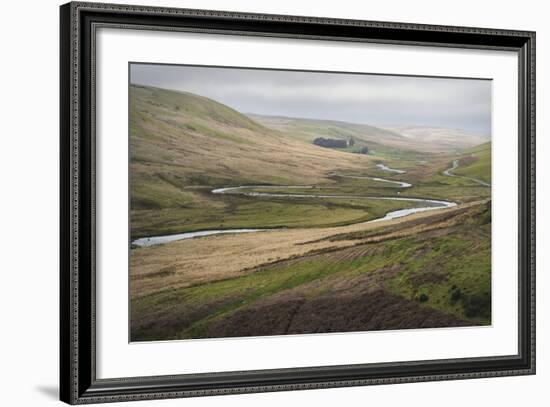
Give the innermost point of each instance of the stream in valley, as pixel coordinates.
(428, 204)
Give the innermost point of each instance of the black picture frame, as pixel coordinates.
(78, 382)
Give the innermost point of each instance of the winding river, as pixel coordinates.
(399, 184)
(455, 166)
(383, 167)
(429, 204)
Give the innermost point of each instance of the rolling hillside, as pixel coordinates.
(476, 162)
(180, 139)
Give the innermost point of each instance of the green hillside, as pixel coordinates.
(475, 162)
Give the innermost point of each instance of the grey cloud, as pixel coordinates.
(360, 98)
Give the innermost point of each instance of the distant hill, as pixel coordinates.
(440, 139)
(420, 139)
(376, 139)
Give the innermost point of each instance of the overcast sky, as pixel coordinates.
(381, 100)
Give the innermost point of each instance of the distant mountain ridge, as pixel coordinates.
(424, 139)
(307, 130)
(444, 137)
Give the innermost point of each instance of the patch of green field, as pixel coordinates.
(158, 193)
(450, 272)
(429, 181)
(444, 278)
(447, 188)
(476, 163)
(237, 211)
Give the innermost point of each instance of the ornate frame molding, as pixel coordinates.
(79, 21)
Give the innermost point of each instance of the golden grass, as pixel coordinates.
(167, 139)
(195, 261)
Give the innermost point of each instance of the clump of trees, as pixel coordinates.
(340, 143)
(330, 142)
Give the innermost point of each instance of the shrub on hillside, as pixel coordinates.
(330, 143)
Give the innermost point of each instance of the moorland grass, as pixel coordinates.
(448, 271)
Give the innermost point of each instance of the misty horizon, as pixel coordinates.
(380, 125)
(370, 99)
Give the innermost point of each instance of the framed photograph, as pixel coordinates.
(255, 203)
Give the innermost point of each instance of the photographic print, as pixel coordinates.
(281, 202)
